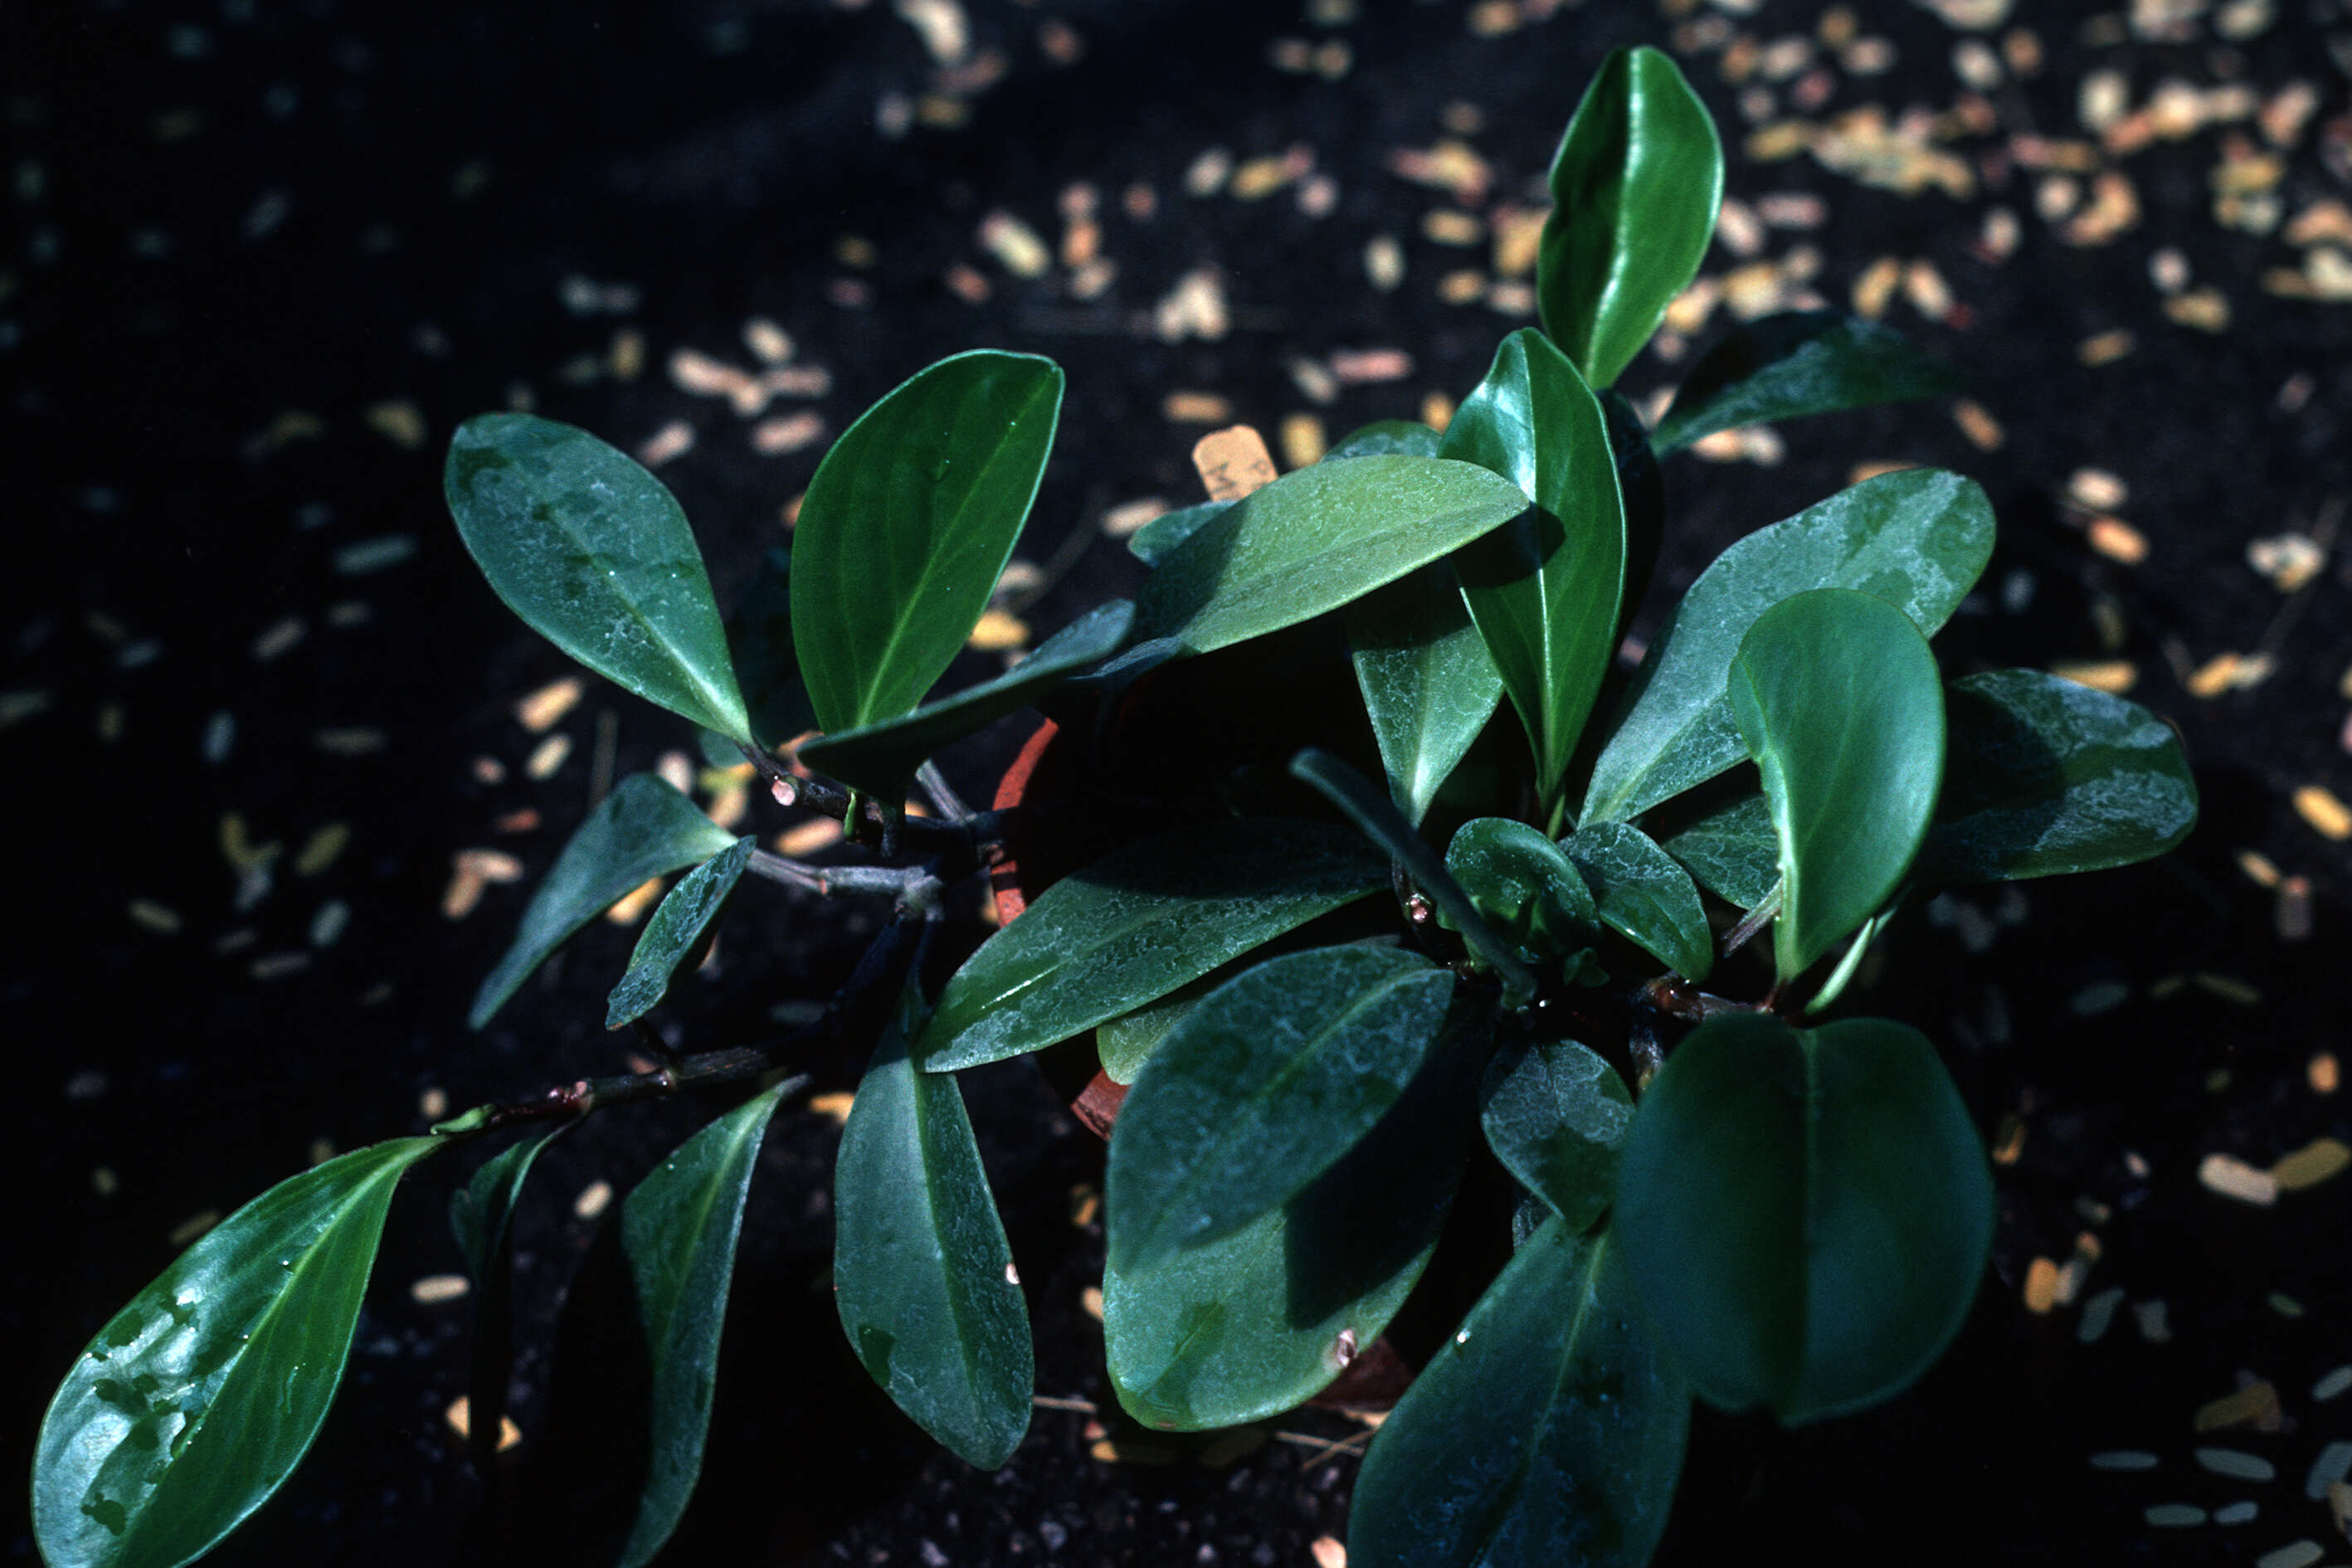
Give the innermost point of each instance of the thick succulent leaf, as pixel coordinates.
(1634, 187)
(1547, 1433)
(1918, 538)
(1800, 363)
(1837, 696)
(908, 525)
(1544, 589)
(881, 758)
(1315, 538)
(1806, 1212)
(1733, 851)
(1644, 896)
(642, 830)
(1164, 533)
(921, 1270)
(595, 555)
(1555, 1116)
(198, 1399)
(1526, 887)
(481, 1217)
(766, 662)
(674, 933)
(2046, 777)
(1136, 924)
(1264, 1087)
(1260, 1321)
(1428, 682)
(1385, 437)
(678, 1230)
(1125, 1042)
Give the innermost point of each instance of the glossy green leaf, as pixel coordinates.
(1369, 810)
(1641, 485)
(678, 1230)
(881, 758)
(1733, 851)
(921, 1270)
(1645, 896)
(1136, 924)
(481, 1217)
(1544, 590)
(1385, 437)
(1315, 538)
(642, 830)
(908, 525)
(1428, 682)
(1805, 1212)
(1164, 533)
(1555, 1116)
(2046, 777)
(1918, 538)
(674, 933)
(1800, 363)
(1125, 1042)
(1547, 1433)
(595, 555)
(1260, 1321)
(1526, 887)
(1263, 1088)
(198, 1399)
(766, 663)
(1634, 185)
(1837, 696)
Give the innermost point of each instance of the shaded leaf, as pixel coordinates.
(1806, 1214)
(1918, 538)
(908, 525)
(1838, 698)
(1383, 437)
(1547, 1433)
(481, 1217)
(1428, 682)
(1796, 363)
(1556, 1115)
(766, 663)
(1125, 1042)
(642, 830)
(196, 1401)
(1645, 896)
(1641, 485)
(675, 931)
(1634, 185)
(1153, 542)
(1525, 886)
(1136, 924)
(1734, 850)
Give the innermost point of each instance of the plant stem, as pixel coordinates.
(897, 881)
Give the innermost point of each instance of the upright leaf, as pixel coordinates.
(1555, 1116)
(1634, 189)
(643, 829)
(921, 1270)
(198, 1399)
(1641, 485)
(1526, 887)
(1644, 896)
(1547, 1433)
(678, 1230)
(1544, 589)
(881, 758)
(1312, 541)
(1805, 1212)
(1732, 850)
(1838, 698)
(1164, 533)
(1918, 538)
(674, 933)
(1385, 437)
(766, 663)
(595, 555)
(908, 525)
(1136, 924)
(481, 1216)
(1796, 363)
(1263, 1088)
(2047, 777)
(1428, 682)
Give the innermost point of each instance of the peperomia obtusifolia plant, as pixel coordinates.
(1323, 1025)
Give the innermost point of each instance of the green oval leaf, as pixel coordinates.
(1733, 851)
(1918, 538)
(1526, 887)
(1645, 896)
(1548, 1432)
(678, 1230)
(1635, 187)
(1556, 1115)
(1428, 682)
(908, 525)
(1796, 363)
(921, 1270)
(642, 830)
(766, 663)
(1545, 590)
(1125, 1042)
(674, 933)
(1136, 924)
(198, 1399)
(1385, 438)
(1164, 533)
(1805, 1212)
(1312, 541)
(1263, 1087)
(595, 555)
(881, 758)
(1838, 698)
(2046, 777)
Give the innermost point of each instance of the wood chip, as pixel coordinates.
(1127, 517)
(2327, 814)
(1232, 462)
(833, 1106)
(1328, 1552)
(2173, 1515)
(460, 1418)
(997, 631)
(1303, 441)
(2113, 675)
(548, 757)
(2041, 1292)
(593, 1200)
(768, 340)
(1369, 367)
(436, 1289)
(1977, 423)
(2105, 348)
(2323, 1073)
(635, 904)
(818, 833)
(787, 432)
(672, 441)
(2319, 1160)
(1014, 244)
(2117, 540)
(2233, 1178)
(2096, 489)
(2236, 1464)
(1196, 408)
(2203, 308)
(1195, 307)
